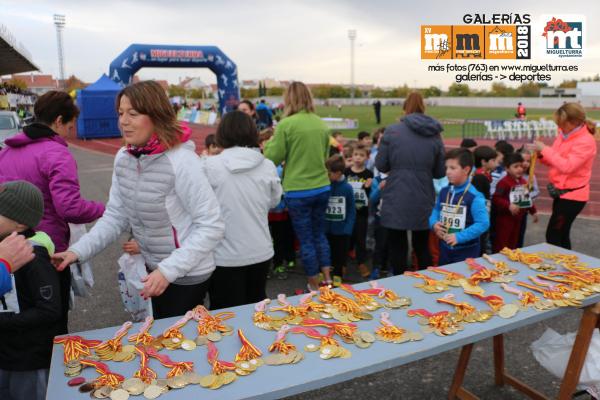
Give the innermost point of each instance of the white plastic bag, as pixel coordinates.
(553, 350)
(82, 277)
(131, 271)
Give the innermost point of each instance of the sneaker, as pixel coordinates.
(337, 281)
(374, 274)
(291, 265)
(364, 270)
(280, 272)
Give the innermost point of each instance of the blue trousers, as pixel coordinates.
(449, 255)
(308, 220)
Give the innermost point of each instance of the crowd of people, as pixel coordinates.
(216, 224)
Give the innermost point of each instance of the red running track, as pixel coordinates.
(543, 203)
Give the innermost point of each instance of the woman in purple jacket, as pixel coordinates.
(40, 155)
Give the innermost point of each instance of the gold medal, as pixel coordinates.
(119, 394)
(152, 392)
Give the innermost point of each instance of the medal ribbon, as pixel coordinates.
(174, 331)
(145, 373)
(280, 344)
(177, 368)
(462, 308)
(106, 378)
(248, 351)
(342, 303)
(115, 344)
(75, 347)
(143, 336)
(218, 366)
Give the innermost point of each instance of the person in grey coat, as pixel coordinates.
(412, 154)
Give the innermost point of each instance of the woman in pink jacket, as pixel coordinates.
(40, 155)
(570, 159)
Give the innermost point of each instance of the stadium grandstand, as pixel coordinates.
(14, 57)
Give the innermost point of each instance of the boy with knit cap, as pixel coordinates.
(30, 313)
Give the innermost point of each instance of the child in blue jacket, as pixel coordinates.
(460, 216)
(339, 217)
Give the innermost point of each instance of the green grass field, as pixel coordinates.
(391, 114)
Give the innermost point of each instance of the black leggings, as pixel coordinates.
(564, 213)
(176, 300)
(282, 233)
(398, 249)
(236, 286)
(339, 245)
(359, 237)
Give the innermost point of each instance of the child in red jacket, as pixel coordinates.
(510, 201)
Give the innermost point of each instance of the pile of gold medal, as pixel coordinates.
(244, 368)
(73, 368)
(214, 382)
(292, 357)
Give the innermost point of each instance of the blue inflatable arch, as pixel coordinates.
(138, 56)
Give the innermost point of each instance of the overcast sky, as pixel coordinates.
(303, 40)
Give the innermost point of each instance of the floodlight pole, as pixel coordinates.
(352, 37)
(59, 22)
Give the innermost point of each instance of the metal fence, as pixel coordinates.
(508, 129)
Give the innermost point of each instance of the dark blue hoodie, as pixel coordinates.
(412, 154)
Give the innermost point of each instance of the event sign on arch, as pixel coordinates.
(138, 56)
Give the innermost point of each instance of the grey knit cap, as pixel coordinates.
(22, 202)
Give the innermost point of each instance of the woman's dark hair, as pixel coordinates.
(210, 140)
(484, 153)
(53, 104)
(237, 129)
(249, 104)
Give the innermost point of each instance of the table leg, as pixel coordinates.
(590, 320)
(499, 360)
(456, 389)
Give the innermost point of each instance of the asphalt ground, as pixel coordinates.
(425, 379)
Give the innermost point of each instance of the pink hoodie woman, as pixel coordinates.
(46, 162)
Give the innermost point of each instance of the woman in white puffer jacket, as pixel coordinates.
(159, 193)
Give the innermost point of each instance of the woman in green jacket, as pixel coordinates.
(301, 143)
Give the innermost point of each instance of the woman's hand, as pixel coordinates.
(131, 247)
(539, 146)
(154, 285)
(64, 259)
(16, 250)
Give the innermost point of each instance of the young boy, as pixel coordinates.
(364, 138)
(485, 162)
(347, 152)
(503, 148)
(336, 143)
(376, 138)
(459, 217)
(282, 232)
(339, 217)
(380, 252)
(510, 201)
(360, 178)
(30, 313)
(534, 190)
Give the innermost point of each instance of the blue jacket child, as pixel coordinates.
(467, 220)
(341, 212)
